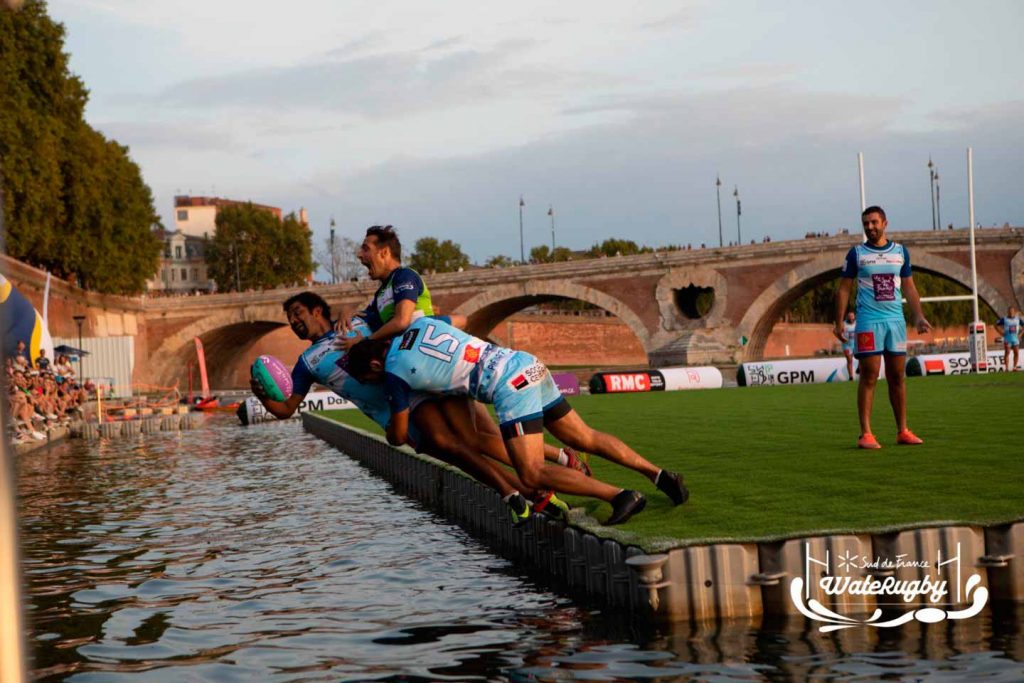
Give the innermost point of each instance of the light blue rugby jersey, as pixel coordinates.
(434, 357)
(319, 364)
(1011, 326)
(879, 272)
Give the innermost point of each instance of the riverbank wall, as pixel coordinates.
(674, 580)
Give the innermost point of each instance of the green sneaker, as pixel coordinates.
(551, 506)
(519, 508)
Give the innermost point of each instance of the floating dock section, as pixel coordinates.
(693, 583)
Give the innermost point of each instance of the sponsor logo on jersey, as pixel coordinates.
(471, 354)
(409, 339)
(519, 382)
(535, 372)
(385, 299)
(865, 341)
(885, 286)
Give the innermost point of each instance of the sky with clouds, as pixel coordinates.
(436, 117)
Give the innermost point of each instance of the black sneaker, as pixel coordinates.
(626, 504)
(519, 509)
(671, 484)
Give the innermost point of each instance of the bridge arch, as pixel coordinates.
(760, 318)
(490, 307)
(1017, 279)
(225, 334)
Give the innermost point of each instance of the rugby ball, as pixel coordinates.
(273, 376)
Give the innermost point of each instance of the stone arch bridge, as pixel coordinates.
(745, 291)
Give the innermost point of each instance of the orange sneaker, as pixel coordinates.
(868, 440)
(908, 438)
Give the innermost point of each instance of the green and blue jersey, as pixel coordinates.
(403, 284)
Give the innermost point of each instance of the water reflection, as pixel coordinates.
(262, 554)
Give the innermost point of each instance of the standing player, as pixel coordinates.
(850, 345)
(884, 277)
(435, 357)
(1009, 327)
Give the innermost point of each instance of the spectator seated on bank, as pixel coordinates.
(42, 363)
(63, 370)
(21, 359)
(38, 403)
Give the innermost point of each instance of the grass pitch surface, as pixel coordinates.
(773, 462)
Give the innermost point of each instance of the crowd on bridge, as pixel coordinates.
(41, 393)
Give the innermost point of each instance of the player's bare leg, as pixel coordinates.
(446, 446)
(869, 367)
(896, 381)
(474, 424)
(571, 430)
(527, 456)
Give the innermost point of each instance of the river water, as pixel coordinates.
(262, 554)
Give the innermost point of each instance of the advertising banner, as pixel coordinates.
(664, 379)
(567, 383)
(251, 410)
(798, 371)
(955, 364)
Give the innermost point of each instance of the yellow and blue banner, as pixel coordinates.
(22, 322)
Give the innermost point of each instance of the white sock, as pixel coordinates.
(655, 479)
(509, 496)
(563, 457)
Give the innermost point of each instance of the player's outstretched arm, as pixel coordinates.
(398, 428)
(282, 410)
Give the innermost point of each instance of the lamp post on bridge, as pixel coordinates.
(718, 194)
(551, 212)
(739, 235)
(334, 258)
(522, 249)
(931, 193)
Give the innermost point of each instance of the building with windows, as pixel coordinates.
(197, 216)
(182, 267)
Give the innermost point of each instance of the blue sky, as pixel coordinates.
(436, 117)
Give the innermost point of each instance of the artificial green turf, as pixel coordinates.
(775, 462)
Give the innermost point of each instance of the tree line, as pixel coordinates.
(75, 203)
